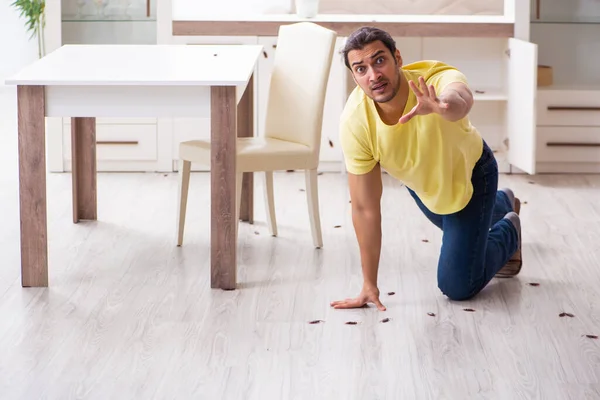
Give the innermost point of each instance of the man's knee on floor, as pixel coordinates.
(456, 290)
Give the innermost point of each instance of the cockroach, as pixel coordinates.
(385, 320)
(330, 143)
(391, 293)
(469, 309)
(566, 314)
(534, 284)
(337, 226)
(316, 321)
(431, 314)
(591, 336)
(425, 241)
(480, 91)
(351, 323)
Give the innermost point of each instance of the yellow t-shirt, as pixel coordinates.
(432, 156)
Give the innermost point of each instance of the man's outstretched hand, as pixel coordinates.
(427, 101)
(369, 294)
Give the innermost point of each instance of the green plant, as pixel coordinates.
(33, 12)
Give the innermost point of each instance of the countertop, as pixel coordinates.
(197, 24)
(196, 14)
(264, 17)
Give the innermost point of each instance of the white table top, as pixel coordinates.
(148, 65)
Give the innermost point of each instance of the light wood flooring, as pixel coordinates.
(128, 315)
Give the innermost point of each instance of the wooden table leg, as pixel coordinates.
(245, 128)
(223, 186)
(83, 166)
(32, 186)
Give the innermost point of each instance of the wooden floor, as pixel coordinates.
(129, 315)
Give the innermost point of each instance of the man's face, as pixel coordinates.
(376, 71)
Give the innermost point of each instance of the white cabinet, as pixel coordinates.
(568, 110)
(568, 130)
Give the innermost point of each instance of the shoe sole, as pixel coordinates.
(514, 265)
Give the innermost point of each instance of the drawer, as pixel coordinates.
(119, 142)
(118, 121)
(568, 144)
(568, 108)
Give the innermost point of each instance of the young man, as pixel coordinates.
(412, 121)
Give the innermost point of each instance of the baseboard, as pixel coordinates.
(338, 167)
(568, 168)
(324, 166)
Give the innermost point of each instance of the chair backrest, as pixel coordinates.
(299, 83)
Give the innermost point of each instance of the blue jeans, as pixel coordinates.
(477, 241)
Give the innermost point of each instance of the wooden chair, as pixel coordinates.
(293, 124)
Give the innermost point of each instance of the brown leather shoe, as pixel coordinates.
(513, 266)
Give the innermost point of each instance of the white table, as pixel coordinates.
(88, 81)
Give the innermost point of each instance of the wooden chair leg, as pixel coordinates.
(239, 180)
(184, 184)
(270, 203)
(239, 188)
(312, 197)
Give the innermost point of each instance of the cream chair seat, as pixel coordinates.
(254, 154)
(293, 124)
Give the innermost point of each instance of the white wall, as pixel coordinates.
(16, 50)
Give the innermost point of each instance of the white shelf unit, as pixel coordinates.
(568, 111)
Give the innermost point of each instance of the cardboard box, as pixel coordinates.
(544, 75)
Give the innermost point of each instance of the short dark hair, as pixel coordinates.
(365, 35)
